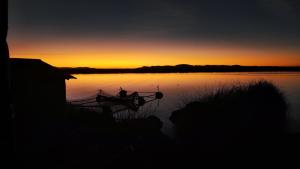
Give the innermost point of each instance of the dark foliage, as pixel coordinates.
(241, 120)
(69, 137)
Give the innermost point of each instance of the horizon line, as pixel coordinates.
(87, 67)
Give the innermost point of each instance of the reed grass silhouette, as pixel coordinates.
(240, 117)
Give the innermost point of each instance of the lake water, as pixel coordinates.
(180, 88)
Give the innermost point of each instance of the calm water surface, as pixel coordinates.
(180, 88)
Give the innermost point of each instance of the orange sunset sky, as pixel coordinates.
(131, 54)
(134, 33)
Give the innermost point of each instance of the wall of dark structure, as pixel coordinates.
(37, 91)
(7, 136)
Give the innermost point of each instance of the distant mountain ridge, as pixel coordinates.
(183, 68)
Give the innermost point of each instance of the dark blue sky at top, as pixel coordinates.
(268, 22)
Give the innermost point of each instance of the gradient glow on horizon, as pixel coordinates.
(134, 33)
(131, 54)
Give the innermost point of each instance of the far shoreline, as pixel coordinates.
(183, 69)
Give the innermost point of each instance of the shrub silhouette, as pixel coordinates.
(243, 115)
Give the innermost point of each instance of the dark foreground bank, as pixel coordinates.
(244, 123)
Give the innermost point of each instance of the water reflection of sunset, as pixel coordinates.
(91, 83)
(180, 88)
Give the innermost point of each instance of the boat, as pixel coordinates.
(119, 102)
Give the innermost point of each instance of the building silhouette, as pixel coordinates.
(36, 84)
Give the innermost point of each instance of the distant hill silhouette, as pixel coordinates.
(184, 68)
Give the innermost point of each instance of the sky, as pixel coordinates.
(134, 33)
